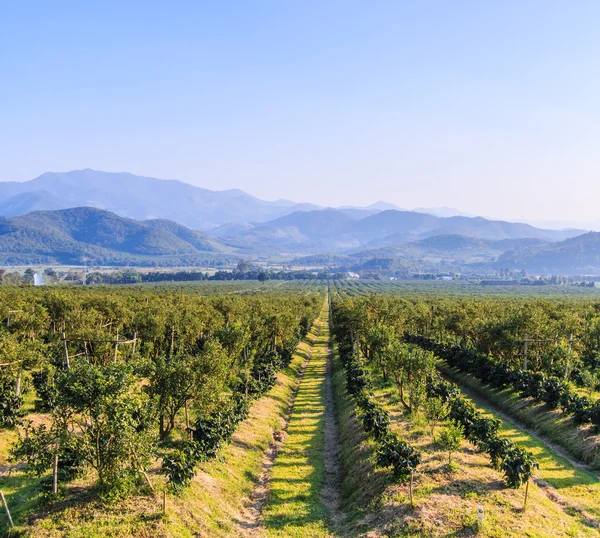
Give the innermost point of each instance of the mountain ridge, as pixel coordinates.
(88, 234)
(142, 198)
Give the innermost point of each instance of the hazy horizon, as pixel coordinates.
(490, 109)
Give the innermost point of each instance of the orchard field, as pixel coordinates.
(306, 408)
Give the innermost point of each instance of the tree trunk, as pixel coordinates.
(406, 406)
(18, 383)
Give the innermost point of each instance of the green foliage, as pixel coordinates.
(106, 406)
(375, 419)
(11, 405)
(43, 381)
(138, 358)
(436, 411)
(177, 380)
(400, 456)
(392, 452)
(180, 466)
(450, 438)
(414, 370)
(518, 466)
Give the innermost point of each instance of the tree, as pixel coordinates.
(519, 466)
(28, 276)
(450, 439)
(103, 416)
(243, 266)
(11, 404)
(435, 411)
(175, 381)
(409, 366)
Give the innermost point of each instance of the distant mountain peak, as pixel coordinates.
(382, 206)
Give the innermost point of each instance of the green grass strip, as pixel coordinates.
(294, 508)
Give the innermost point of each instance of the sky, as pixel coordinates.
(492, 107)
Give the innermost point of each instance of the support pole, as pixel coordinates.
(64, 339)
(10, 521)
(116, 345)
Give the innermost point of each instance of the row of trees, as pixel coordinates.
(558, 338)
(131, 276)
(392, 452)
(359, 324)
(551, 390)
(124, 378)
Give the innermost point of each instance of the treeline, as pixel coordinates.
(560, 338)
(547, 389)
(136, 277)
(126, 378)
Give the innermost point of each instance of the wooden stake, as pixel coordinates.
(55, 472)
(172, 342)
(64, 339)
(116, 345)
(410, 490)
(19, 377)
(164, 502)
(526, 493)
(10, 521)
(145, 475)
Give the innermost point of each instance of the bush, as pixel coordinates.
(180, 466)
(553, 390)
(483, 430)
(450, 438)
(399, 455)
(375, 419)
(518, 466)
(497, 449)
(11, 405)
(46, 391)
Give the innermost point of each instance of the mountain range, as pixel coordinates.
(139, 198)
(107, 218)
(333, 230)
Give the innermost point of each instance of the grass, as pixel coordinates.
(21, 491)
(447, 500)
(294, 507)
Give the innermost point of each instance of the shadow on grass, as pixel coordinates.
(22, 494)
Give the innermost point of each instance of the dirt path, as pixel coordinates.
(332, 480)
(250, 522)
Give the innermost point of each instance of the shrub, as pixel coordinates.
(399, 455)
(450, 439)
(518, 466)
(11, 405)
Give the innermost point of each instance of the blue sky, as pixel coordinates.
(492, 107)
